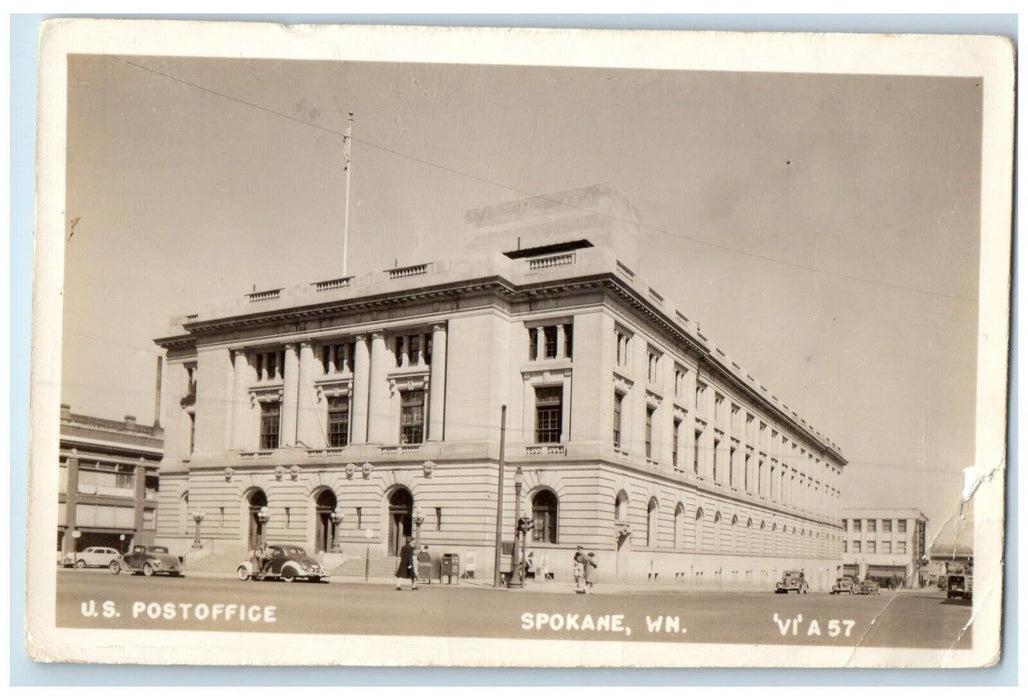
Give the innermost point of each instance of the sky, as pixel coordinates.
(822, 229)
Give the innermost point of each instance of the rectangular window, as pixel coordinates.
(569, 341)
(438, 518)
(844, 547)
(901, 548)
(674, 442)
(696, 452)
(649, 431)
(886, 547)
(533, 344)
(872, 525)
(870, 547)
(717, 446)
(887, 525)
(412, 417)
(701, 388)
(271, 413)
(679, 382)
(337, 358)
(619, 399)
(549, 410)
(845, 524)
(192, 432)
(856, 524)
(622, 348)
(746, 473)
(550, 334)
(731, 466)
(856, 547)
(360, 518)
(651, 367)
(901, 526)
(338, 421)
(719, 409)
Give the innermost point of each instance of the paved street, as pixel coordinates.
(906, 619)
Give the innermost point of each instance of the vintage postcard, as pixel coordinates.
(393, 346)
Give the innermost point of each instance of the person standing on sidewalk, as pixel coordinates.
(578, 570)
(590, 573)
(405, 569)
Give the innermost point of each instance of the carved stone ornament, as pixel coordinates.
(429, 466)
(294, 471)
(350, 469)
(229, 471)
(280, 471)
(366, 468)
(624, 532)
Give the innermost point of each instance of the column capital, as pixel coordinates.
(375, 335)
(439, 326)
(305, 343)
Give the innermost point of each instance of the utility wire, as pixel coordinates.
(522, 193)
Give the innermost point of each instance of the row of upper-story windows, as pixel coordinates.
(411, 429)
(551, 341)
(871, 524)
(873, 547)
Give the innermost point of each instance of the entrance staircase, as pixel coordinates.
(379, 566)
(219, 557)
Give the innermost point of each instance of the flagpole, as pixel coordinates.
(347, 148)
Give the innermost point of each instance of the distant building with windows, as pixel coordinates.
(108, 483)
(886, 545)
(351, 409)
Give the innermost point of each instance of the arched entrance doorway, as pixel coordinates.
(255, 530)
(401, 521)
(324, 528)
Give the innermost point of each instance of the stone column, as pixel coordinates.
(240, 401)
(359, 407)
(540, 343)
(71, 501)
(308, 429)
(290, 386)
(378, 393)
(560, 341)
(140, 496)
(437, 383)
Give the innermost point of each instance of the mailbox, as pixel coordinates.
(449, 566)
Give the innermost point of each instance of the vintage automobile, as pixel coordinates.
(959, 586)
(844, 584)
(868, 587)
(793, 581)
(148, 560)
(95, 556)
(284, 562)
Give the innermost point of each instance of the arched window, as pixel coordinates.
(719, 545)
(651, 523)
(324, 528)
(621, 507)
(679, 525)
(700, 543)
(544, 513)
(734, 533)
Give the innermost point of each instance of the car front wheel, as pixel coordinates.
(288, 575)
(115, 568)
(80, 564)
(243, 573)
(147, 570)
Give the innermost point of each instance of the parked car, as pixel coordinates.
(845, 584)
(95, 556)
(959, 586)
(793, 581)
(148, 560)
(284, 562)
(868, 588)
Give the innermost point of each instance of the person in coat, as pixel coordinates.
(405, 569)
(590, 572)
(578, 570)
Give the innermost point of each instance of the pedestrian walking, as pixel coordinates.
(578, 570)
(590, 572)
(405, 569)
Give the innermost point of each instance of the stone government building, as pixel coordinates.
(379, 395)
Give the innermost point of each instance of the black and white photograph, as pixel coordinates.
(401, 346)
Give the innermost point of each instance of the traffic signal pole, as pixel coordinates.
(499, 499)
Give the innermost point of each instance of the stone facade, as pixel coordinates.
(886, 545)
(378, 397)
(108, 482)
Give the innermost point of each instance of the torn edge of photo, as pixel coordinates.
(371, 345)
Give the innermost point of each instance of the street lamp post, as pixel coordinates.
(198, 518)
(337, 519)
(419, 519)
(519, 479)
(262, 517)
